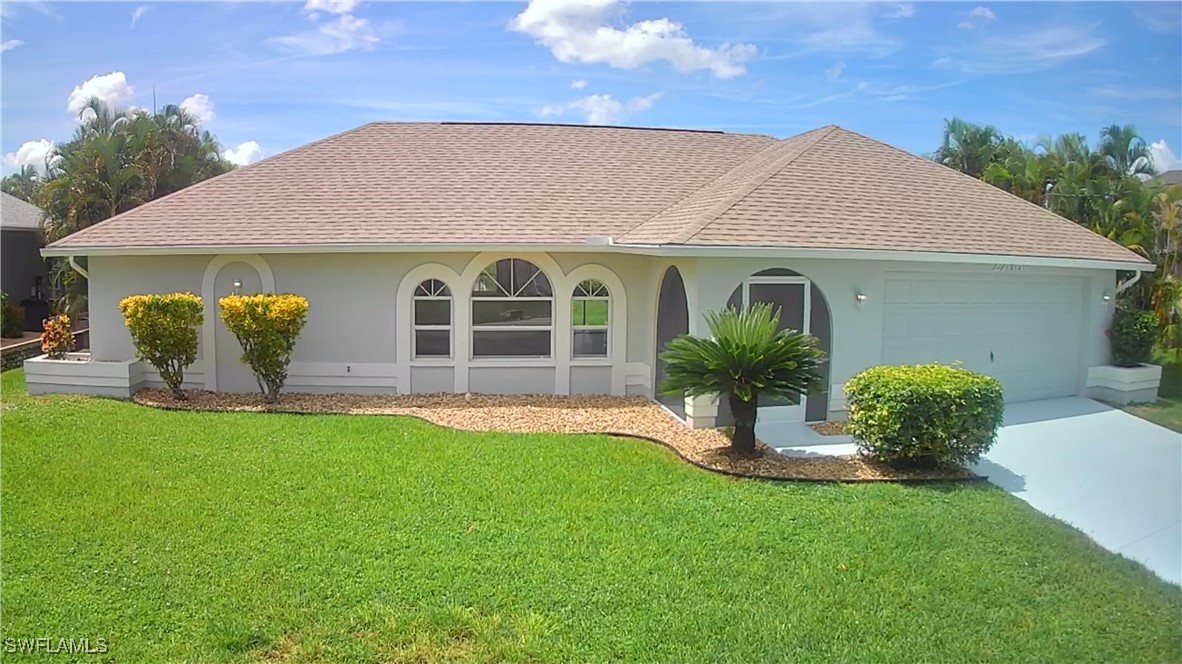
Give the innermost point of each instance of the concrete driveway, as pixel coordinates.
(1114, 476)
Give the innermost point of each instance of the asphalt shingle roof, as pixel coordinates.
(15, 213)
(471, 183)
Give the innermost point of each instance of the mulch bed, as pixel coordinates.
(635, 417)
(835, 428)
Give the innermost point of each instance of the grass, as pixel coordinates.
(1167, 410)
(238, 537)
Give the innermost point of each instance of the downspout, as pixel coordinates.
(86, 275)
(1120, 288)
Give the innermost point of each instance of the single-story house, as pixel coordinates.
(22, 270)
(530, 258)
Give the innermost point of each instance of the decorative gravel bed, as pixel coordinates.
(636, 417)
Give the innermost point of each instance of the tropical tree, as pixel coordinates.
(967, 147)
(745, 358)
(1126, 151)
(24, 184)
(116, 160)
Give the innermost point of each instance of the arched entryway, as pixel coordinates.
(802, 307)
(672, 321)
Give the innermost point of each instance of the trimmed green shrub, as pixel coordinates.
(1132, 335)
(746, 356)
(923, 415)
(164, 331)
(57, 338)
(12, 318)
(266, 325)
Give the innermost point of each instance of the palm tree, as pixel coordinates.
(1126, 151)
(746, 356)
(967, 147)
(23, 184)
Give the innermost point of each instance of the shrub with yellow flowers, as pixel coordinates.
(266, 325)
(164, 331)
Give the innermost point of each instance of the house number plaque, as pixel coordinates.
(1006, 267)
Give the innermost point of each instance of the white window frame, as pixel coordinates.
(606, 328)
(415, 327)
(474, 327)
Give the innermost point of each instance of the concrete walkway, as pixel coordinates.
(1114, 476)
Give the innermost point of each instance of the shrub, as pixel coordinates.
(164, 331)
(746, 356)
(12, 318)
(924, 415)
(57, 338)
(266, 325)
(1132, 335)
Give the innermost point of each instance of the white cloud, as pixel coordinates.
(578, 85)
(601, 109)
(346, 33)
(580, 31)
(138, 13)
(9, 44)
(246, 153)
(1163, 157)
(31, 153)
(833, 73)
(199, 106)
(112, 89)
(976, 17)
(1033, 50)
(904, 10)
(313, 7)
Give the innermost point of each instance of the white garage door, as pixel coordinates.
(1025, 331)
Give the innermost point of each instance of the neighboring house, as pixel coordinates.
(518, 258)
(1172, 178)
(22, 270)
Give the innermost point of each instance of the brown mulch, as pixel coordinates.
(635, 417)
(834, 428)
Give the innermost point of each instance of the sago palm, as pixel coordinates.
(746, 357)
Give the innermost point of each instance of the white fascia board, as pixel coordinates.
(639, 249)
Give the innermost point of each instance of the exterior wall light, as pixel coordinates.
(1106, 297)
(859, 298)
(237, 284)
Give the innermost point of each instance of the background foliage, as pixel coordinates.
(116, 160)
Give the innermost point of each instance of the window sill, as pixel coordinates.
(429, 362)
(591, 362)
(511, 362)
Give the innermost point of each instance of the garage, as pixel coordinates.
(1026, 331)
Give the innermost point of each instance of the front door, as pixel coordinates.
(790, 296)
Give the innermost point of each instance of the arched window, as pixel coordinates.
(432, 319)
(590, 309)
(512, 311)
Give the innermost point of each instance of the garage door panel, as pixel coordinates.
(1026, 332)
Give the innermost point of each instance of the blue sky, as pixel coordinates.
(272, 76)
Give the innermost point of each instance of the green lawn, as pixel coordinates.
(1167, 410)
(244, 537)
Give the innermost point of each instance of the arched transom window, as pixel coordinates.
(590, 310)
(432, 319)
(512, 311)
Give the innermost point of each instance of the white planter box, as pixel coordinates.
(79, 374)
(1123, 385)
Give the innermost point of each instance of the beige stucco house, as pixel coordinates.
(470, 257)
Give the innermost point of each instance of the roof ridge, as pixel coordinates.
(717, 178)
(758, 180)
(198, 185)
(1060, 218)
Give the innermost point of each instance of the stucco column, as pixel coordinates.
(701, 412)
